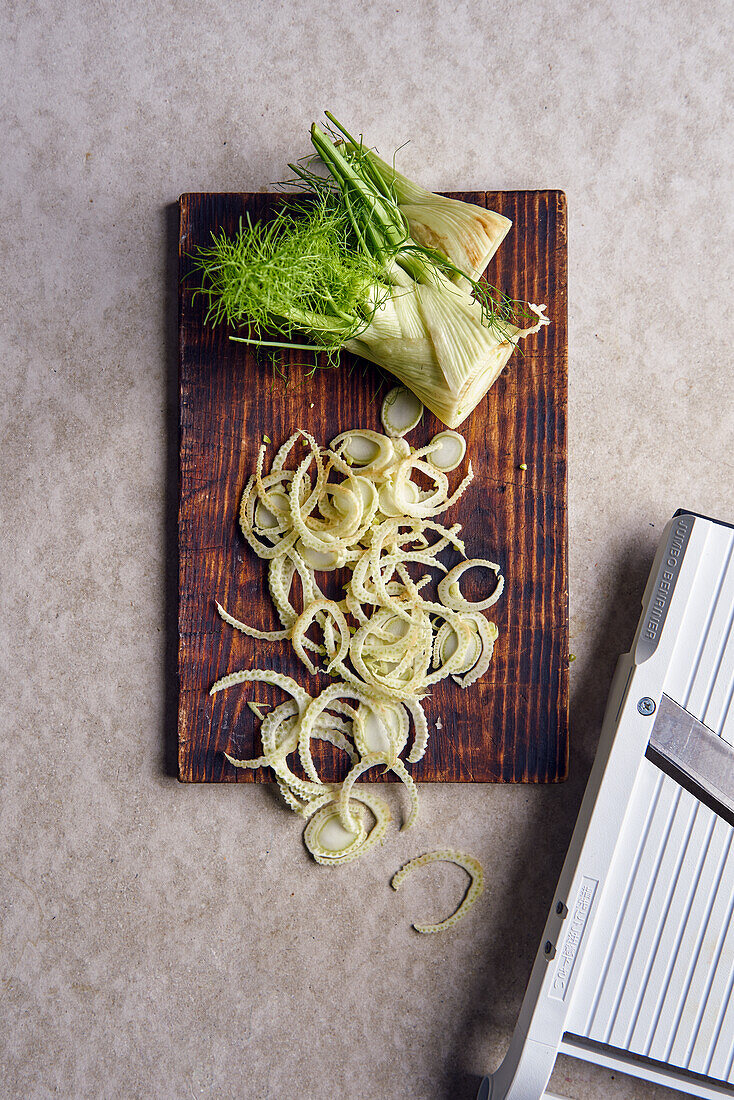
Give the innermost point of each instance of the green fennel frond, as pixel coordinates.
(301, 272)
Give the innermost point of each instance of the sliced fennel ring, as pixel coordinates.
(326, 837)
(251, 631)
(324, 560)
(380, 727)
(401, 411)
(331, 844)
(450, 594)
(369, 451)
(487, 632)
(450, 452)
(384, 639)
(447, 855)
(264, 676)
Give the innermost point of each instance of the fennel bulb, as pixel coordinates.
(373, 263)
(432, 336)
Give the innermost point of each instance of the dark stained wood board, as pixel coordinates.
(512, 726)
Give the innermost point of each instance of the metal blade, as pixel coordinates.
(694, 755)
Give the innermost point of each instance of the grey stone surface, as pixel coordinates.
(172, 942)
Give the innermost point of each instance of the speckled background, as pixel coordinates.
(174, 942)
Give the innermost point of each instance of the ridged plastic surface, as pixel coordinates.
(701, 673)
(663, 957)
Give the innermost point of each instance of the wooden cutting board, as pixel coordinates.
(512, 726)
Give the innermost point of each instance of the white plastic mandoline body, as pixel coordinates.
(635, 970)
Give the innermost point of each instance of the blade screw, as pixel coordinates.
(559, 908)
(548, 947)
(646, 705)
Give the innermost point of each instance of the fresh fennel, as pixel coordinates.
(370, 262)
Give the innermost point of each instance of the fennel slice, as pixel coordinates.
(401, 411)
(370, 451)
(450, 594)
(450, 453)
(373, 736)
(472, 867)
(328, 856)
(326, 836)
(340, 517)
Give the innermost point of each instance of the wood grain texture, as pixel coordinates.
(512, 726)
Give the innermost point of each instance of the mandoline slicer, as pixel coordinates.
(635, 970)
